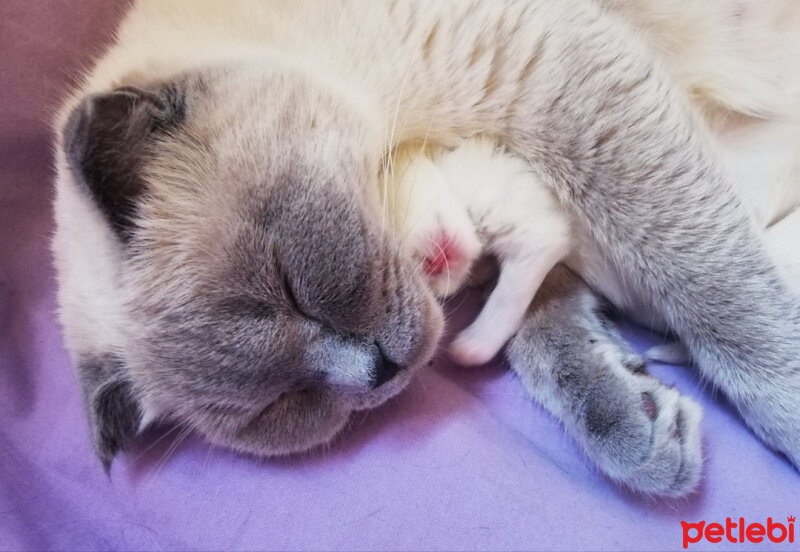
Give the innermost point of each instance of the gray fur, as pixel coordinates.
(637, 430)
(290, 310)
(105, 142)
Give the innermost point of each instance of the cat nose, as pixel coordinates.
(383, 371)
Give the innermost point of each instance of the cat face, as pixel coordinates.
(262, 301)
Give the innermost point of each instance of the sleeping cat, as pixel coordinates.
(224, 263)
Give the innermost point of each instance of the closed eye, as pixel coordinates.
(287, 289)
(294, 304)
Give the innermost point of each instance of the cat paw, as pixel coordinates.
(470, 350)
(446, 258)
(645, 436)
(638, 431)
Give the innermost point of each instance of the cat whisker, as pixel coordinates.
(154, 443)
(392, 141)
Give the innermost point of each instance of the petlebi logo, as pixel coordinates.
(739, 531)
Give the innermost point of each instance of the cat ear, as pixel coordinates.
(106, 140)
(114, 411)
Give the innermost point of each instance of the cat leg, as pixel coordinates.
(522, 225)
(638, 431)
(521, 274)
(624, 154)
(783, 244)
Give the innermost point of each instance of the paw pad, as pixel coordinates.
(443, 253)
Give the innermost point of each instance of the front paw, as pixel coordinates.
(469, 349)
(446, 257)
(645, 435)
(637, 430)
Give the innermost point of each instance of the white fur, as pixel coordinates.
(428, 217)
(741, 54)
(480, 187)
(783, 241)
(737, 60)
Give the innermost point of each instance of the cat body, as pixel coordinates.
(224, 261)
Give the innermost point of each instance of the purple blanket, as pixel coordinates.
(462, 460)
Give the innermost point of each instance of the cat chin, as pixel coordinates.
(376, 397)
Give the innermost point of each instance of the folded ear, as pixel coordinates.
(106, 141)
(114, 411)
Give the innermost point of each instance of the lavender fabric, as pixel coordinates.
(462, 460)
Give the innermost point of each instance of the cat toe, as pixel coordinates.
(674, 463)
